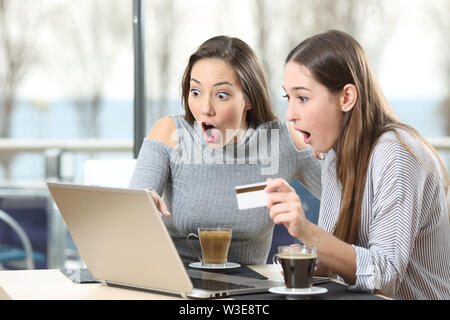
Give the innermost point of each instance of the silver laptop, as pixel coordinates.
(123, 241)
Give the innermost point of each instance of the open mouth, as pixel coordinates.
(211, 133)
(306, 136)
(207, 126)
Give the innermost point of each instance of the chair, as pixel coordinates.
(13, 254)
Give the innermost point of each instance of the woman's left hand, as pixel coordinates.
(286, 208)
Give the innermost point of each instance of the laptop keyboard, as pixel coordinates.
(215, 285)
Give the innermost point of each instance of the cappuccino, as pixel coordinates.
(215, 244)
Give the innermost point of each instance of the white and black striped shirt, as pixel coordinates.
(403, 245)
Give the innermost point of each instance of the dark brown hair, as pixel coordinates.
(335, 59)
(248, 69)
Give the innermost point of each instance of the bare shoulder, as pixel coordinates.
(163, 131)
(297, 138)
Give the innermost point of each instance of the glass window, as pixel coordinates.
(406, 41)
(67, 67)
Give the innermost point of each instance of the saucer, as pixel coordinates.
(298, 292)
(228, 265)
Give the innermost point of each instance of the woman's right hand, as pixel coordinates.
(285, 208)
(160, 204)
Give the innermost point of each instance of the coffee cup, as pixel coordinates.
(297, 264)
(214, 243)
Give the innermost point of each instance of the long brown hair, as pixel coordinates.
(336, 59)
(248, 69)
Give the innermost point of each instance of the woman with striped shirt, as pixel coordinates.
(384, 220)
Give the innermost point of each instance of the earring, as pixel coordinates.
(344, 107)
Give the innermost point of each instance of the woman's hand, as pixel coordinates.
(160, 204)
(286, 208)
(334, 255)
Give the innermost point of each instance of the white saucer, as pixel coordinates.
(228, 265)
(294, 292)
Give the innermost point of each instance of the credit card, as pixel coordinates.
(251, 195)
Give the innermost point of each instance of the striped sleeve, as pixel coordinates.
(397, 191)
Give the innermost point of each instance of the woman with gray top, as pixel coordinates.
(227, 137)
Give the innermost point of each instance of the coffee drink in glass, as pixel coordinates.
(297, 263)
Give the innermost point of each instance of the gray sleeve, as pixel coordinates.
(152, 166)
(309, 171)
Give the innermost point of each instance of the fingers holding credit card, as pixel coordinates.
(255, 195)
(285, 207)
